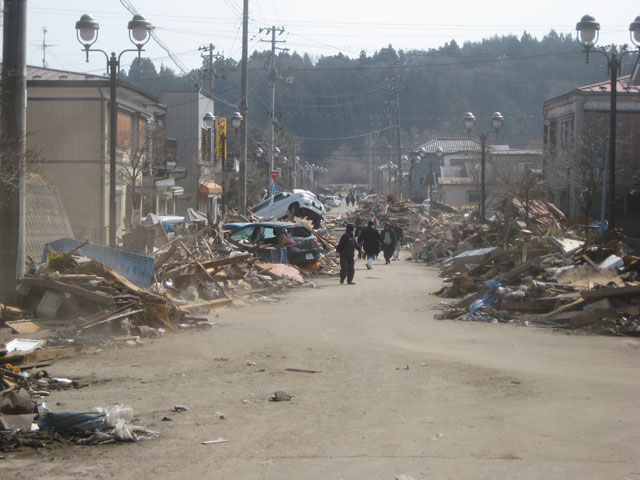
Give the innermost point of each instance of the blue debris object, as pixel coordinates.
(72, 421)
(476, 309)
(134, 267)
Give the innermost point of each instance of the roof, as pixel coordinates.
(209, 187)
(453, 145)
(40, 76)
(624, 85)
(455, 180)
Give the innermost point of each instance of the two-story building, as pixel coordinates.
(576, 134)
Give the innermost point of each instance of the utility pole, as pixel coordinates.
(209, 50)
(13, 126)
(371, 186)
(273, 77)
(244, 107)
(398, 82)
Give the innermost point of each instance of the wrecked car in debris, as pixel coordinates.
(296, 204)
(301, 245)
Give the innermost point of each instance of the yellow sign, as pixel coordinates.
(221, 138)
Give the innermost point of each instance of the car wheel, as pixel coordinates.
(294, 209)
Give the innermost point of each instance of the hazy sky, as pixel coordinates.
(325, 27)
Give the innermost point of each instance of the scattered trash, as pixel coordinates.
(280, 396)
(181, 408)
(214, 442)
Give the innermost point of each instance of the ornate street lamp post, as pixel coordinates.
(469, 121)
(139, 34)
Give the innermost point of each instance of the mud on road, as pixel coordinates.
(394, 392)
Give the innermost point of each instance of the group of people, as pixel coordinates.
(351, 199)
(368, 241)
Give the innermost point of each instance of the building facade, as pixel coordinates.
(576, 136)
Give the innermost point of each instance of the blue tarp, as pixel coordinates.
(134, 267)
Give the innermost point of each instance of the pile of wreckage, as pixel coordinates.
(82, 296)
(529, 264)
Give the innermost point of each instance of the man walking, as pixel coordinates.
(370, 240)
(346, 248)
(399, 234)
(388, 243)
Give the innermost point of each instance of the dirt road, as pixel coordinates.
(396, 392)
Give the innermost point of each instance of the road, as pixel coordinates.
(396, 392)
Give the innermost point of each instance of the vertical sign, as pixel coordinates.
(221, 138)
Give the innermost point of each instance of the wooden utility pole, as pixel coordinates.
(244, 108)
(13, 126)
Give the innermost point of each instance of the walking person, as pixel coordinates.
(362, 224)
(399, 236)
(346, 248)
(388, 243)
(370, 240)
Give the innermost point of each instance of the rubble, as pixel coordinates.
(526, 264)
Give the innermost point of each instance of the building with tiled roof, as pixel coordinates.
(576, 132)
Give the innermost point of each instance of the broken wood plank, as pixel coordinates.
(47, 283)
(208, 304)
(609, 292)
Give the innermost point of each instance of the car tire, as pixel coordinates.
(294, 209)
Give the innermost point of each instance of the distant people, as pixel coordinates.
(346, 248)
(374, 219)
(399, 236)
(388, 243)
(362, 224)
(370, 240)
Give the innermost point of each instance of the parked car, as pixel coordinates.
(302, 246)
(299, 204)
(332, 201)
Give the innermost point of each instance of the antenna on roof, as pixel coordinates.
(44, 45)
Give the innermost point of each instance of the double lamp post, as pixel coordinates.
(469, 121)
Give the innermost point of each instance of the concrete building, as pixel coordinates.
(576, 132)
(455, 177)
(183, 122)
(68, 137)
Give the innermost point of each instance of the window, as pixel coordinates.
(242, 234)
(124, 130)
(142, 133)
(260, 206)
(553, 139)
(472, 197)
(566, 132)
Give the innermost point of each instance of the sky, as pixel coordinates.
(326, 27)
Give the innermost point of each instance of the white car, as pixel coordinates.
(297, 204)
(332, 201)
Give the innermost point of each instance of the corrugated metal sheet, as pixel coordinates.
(623, 86)
(452, 145)
(45, 218)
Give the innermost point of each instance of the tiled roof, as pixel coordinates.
(452, 145)
(605, 87)
(40, 74)
(455, 180)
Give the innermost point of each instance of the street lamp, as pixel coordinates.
(588, 31)
(236, 120)
(469, 121)
(209, 122)
(87, 34)
(294, 174)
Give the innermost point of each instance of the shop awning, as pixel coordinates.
(210, 188)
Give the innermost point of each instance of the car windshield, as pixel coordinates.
(298, 231)
(260, 206)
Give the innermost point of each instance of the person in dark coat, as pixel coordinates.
(370, 240)
(388, 242)
(362, 224)
(399, 235)
(346, 248)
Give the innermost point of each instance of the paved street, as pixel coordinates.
(395, 392)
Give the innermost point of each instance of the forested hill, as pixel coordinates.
(334, 97)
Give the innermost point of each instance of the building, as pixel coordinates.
(193, 150)
(576, 132)
(454, 178)
(68, 141)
